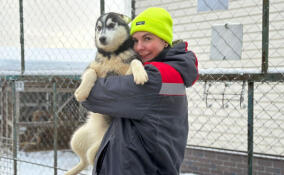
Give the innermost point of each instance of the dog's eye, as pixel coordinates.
(99, 28)
(111, 25)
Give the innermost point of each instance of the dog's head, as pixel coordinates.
(111, 31)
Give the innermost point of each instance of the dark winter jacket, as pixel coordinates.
(148, 133)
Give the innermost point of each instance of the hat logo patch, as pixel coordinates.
(140, 23)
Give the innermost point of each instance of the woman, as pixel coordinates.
(148, 133)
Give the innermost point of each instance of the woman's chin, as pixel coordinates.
(146, 59)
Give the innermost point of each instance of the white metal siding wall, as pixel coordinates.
(195, 27)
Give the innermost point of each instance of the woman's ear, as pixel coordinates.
(165, 44)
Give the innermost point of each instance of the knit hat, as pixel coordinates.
(156, 21)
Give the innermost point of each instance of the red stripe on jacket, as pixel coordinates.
(172, 82)
(168, 73)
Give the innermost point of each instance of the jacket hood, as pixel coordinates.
(185, 62)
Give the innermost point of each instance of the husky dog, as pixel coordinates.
(115, 56)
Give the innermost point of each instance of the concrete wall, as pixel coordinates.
(210, 162)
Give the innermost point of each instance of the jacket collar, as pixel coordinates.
(161, 55)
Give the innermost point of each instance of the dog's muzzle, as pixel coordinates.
(103, 40)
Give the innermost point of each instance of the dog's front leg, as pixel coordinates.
(89, 78)
(138, 71)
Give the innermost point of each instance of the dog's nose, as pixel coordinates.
(102, 39)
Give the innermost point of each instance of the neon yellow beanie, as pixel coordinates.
(156, 21)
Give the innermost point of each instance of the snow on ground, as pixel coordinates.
(41, 163)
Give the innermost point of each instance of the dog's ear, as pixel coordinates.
(125, 18)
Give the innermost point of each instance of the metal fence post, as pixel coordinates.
(54, 108)
(22, 40)
(265, 35)
(102, 3)
(15, 130)
(133, 9)
(250, 126)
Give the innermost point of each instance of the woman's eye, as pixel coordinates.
(147, 38)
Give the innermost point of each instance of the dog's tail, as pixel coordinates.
(79, 167)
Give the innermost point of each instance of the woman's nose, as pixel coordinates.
(138, 46)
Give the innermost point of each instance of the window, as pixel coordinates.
(211, 5)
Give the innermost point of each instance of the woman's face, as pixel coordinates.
(148, 45)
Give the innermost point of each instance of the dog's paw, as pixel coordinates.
(140, 76)
(81, 94)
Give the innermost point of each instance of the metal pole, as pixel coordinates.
(22, 37)
(54, 108)
(265, 35)
(132, 9)
(15, 133)
(102, 6)
(250, 127)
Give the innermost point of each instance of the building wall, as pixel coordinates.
(205, 162)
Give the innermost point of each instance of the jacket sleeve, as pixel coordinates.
(119, 96)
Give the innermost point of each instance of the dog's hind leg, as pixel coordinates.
(92, 151)
(79, 144)
(100, 124)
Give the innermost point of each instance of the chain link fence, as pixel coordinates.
(220, 120)
(237, 104)
(39, 115)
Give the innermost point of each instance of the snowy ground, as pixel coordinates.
(41, 163)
